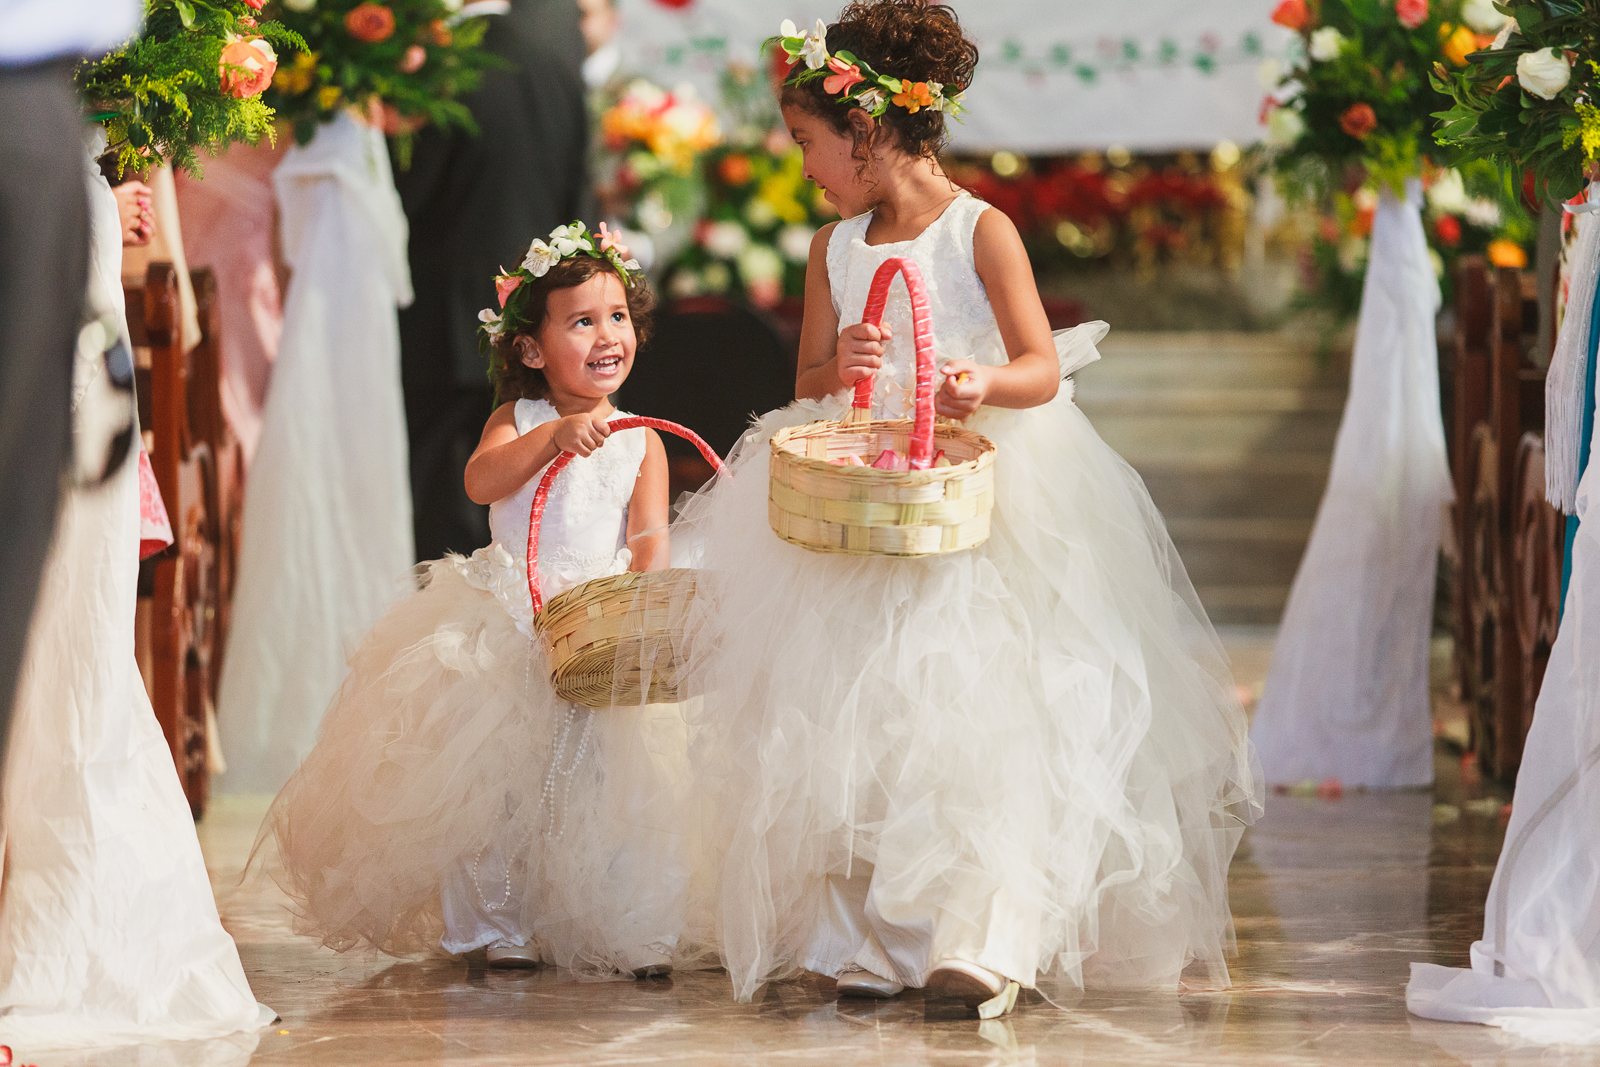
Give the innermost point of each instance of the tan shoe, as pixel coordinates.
(978, 987)
(504, 954)
(863, 983)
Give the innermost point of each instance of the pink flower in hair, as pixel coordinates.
(505, 285)
(609, 240)
(843, 77)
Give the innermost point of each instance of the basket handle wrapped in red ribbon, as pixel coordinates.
(921, 445)
(557, 465)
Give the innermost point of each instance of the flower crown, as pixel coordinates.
(847, 78)
(565, 242)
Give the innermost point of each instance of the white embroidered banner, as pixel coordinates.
(1055, 75)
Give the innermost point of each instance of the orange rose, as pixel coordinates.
(440, 33)
(246, 68)
(369, 22)
(735, 169)
(1292, 14)
(1358, 121)
(1503, 253)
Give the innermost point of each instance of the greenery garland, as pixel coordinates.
(411, 57)
(191, 80)
(1531, 103)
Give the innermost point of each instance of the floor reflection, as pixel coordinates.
(1332, 899)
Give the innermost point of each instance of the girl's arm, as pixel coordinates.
(503, 462)
(647, 510)
(1034, 373)
(830, 360)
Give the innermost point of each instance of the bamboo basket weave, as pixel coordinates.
(817, 504)
(590, 630)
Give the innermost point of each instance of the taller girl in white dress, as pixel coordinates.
(960, 771)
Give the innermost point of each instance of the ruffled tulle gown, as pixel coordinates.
(453, 801)
(1027, 756)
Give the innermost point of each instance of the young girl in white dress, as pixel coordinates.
(452, 799)
(963, 771)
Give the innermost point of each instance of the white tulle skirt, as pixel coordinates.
(1028, 756)
(452, 800)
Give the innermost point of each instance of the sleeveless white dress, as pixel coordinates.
(1027, 756)
(108, 930)
(452, 800)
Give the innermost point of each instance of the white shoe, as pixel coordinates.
(978, 987)
(647, 961)
(863, 983)
(504, 954)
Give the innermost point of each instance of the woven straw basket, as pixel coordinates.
(860, 510)
(604, 636)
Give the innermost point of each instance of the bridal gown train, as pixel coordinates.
(108, 929)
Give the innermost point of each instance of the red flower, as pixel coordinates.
(369, 22)
(1358, 120)
(1412, 13)
(1292, 14)
(255, 5)
(440, 33)
(1449, 230)
(736, 170)
(1328, 230)
(505, 285)
(843, 77)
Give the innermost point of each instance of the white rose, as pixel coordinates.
(726, 240)
(795, 242)
(453, 6)
(1284, 127)
(717, 277)
(1448, 193)
(759, 263)
(1484, 214)
(299, 5)
(1325, 44)
(1544, 73)
(1482, 17)
(760, 214)
(1269, 74)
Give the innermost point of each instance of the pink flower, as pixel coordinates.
(412, 60)
(1412, 13)
(246, 68)
(843, 77)
(505, 285)
(610, 240)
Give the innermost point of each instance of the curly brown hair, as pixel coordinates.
(908, 39)
(514, 379)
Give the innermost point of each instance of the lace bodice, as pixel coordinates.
(584, 532)
(963, 322)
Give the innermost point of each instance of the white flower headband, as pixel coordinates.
(565, 241)
(850, 79)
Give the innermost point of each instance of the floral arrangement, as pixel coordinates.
(1359, 97)
(192, 79)
(847, 78)
(651, 144)
(1530, 101)
(565, 241)
(1080, 212)
(1463, 214)
(758, 211)
(411, 58)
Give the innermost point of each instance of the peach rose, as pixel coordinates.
(1292, 14)
(1412, 13)
(369, 22)
(412, 61)
(1358, 121)
(246, 68)
(440, 33)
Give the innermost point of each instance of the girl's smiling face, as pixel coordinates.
(830, 158)
(586, 344)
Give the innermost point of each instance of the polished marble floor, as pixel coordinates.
(1332, 898)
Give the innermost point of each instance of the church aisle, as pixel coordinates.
(1332, 898)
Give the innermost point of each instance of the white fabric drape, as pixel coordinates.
(1567, 384)
(1537, 970)
(327, 519)
(1347, 693)
(108, 930)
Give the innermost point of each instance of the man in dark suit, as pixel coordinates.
(474, 203)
